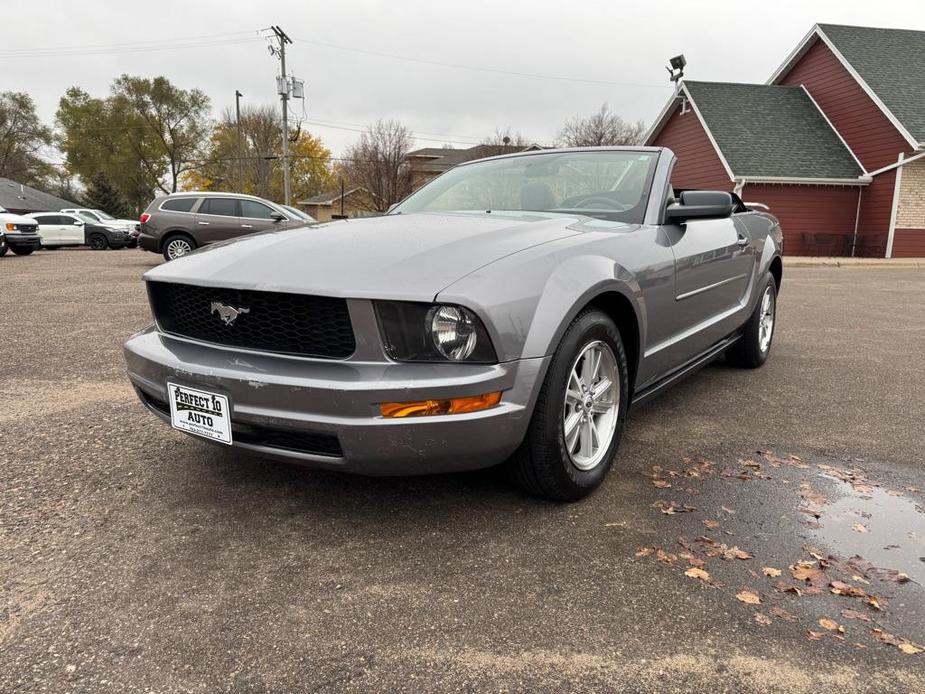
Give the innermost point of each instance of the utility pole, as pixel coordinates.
(237, 122)
(283, 86)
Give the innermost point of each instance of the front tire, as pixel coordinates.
(579, 415)
(754, 347)
(98, 242)
(23, 251)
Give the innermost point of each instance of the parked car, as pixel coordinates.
(298, 214)
(63, 229)
(176, 224)
(103, 218)
(510, 310)
(21, 233)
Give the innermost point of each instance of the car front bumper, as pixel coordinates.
(23, 240)
(278, 403)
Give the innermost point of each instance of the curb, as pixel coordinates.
(887, 263)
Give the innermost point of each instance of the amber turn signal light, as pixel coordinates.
(421, 408)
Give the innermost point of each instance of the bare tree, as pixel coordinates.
(503, 142)
(377, 163)
(603, 127)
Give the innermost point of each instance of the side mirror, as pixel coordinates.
(277, 217)
(701, 204)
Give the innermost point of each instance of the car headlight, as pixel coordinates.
(11, 227)
(427, 332)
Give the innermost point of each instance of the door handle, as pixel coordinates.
(247, 226)
(742, 240)
(204, 223)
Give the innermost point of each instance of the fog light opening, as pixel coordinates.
(423, 408)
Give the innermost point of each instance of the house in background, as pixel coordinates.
(834, 143)
(23, 199)
(426, 164)
(326, 206)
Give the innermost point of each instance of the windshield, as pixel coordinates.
(605, 184)
(296, 214)
(87, 217)
(103, 215)
(2, 209)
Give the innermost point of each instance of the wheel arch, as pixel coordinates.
(776, 268)
(170, 233)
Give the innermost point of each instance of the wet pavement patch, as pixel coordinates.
(815, 548)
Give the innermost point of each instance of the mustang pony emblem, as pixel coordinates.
(228, 314)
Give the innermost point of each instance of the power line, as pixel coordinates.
(478, 68)
(205, 41)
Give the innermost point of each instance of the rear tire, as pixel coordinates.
(754, 347)
(23, 251)
(560, 466)
(98, 242)
(177, 246)
(3, 251)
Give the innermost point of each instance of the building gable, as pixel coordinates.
(698, 165)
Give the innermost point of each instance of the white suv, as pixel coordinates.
(106, 220)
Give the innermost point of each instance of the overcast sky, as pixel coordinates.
(619, 49)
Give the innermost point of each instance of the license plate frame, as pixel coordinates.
(203, 413)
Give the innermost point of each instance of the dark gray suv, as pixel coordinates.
(178, 223)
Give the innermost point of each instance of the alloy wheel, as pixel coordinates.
(766, 319)
(178, 248)
(592, 405)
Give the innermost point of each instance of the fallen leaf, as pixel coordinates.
(904, 645)
(664, 557)
(748, 597)
(831, 625)
(762, 619)
(842, 588)
(805, 570)
(661, 484)
(860, 528)
(785, 587)
(736, 553)
(814, 635)
(781, 613)
(854, 614)
(698, 573)
(728, 510)
(671, 507)
(875, 602)
(644, 551)
(711, 524)
(771, 571)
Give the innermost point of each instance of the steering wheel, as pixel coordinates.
(599, 202)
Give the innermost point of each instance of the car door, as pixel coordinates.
(71, 230)
(256, 216)
(714, 264)
(217, 219)
(48, 229)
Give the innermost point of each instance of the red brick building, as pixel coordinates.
(834, 142)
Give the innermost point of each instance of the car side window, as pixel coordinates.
(179, 204)
(45, 219)
(256, 210)
(225, 207)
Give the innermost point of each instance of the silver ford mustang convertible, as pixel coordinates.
(510, 311)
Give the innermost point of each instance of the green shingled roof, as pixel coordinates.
(892, 62)
(771, 131)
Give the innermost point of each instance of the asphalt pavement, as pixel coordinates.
(133, 558)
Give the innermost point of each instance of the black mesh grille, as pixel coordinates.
(28, 228)
(316, 326)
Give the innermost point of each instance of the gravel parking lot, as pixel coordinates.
(136, 559)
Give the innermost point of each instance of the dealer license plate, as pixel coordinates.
(200, 412)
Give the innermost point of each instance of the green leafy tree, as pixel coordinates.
(102, 195)
(142, 137)
(22, 138)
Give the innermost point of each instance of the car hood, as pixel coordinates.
(409, 257)
(10, 218)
